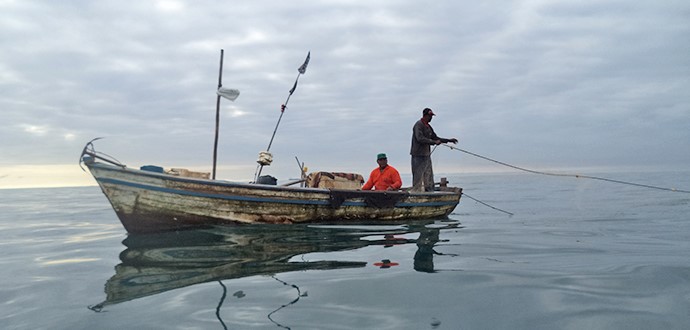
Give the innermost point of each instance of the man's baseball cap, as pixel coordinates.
(428, 111)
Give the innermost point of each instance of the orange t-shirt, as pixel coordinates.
(382, 180)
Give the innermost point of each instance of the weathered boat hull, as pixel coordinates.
(148, 201)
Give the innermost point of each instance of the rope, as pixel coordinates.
(299, 295)
(470, 197)
(485, 204)
(220, 303)
(579, 176)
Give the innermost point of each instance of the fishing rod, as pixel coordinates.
(265, 157)
(579, 176)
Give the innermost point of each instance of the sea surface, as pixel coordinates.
(575, 254)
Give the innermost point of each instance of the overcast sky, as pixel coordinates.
(540, 84)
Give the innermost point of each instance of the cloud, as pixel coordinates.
(170, 5)
(552, 83)
(35, 129)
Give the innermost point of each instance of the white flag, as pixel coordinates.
(228, 93)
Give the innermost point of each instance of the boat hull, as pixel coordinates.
(147, 201)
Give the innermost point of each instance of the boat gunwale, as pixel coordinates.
(230, 184)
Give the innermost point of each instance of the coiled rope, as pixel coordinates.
(579, 176)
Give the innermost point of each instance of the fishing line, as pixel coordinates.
(485, 204)
(474, 199)
(299, 295)
(579, 176)
(220, 303)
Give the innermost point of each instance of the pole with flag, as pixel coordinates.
(301, 70)
(230, 94)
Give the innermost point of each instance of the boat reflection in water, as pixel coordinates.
(156, 263)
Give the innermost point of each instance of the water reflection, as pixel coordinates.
(156, 263)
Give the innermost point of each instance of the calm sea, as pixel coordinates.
(576, 254)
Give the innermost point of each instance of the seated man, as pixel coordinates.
(385, 177)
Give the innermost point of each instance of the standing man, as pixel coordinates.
(423, 136)
(384, 177)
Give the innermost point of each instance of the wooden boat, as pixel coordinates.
(146, 200)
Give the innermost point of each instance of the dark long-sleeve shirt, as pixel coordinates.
(423, 137)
